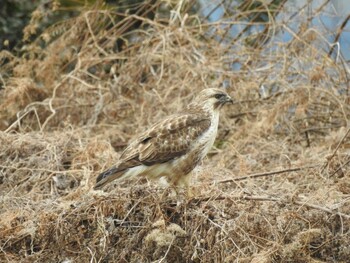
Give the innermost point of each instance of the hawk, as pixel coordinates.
(173, 147)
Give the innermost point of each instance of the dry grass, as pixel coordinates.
(69, 109)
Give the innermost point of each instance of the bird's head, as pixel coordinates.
(212, 99)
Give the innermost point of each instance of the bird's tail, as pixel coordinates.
(108, 176)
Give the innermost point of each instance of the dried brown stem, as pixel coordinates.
(270, 199)
(335, 151)
(266, 174)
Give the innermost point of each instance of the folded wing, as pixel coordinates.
(165, 141)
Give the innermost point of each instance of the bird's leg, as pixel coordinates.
(180, 195)
(189, 193)
(182, 188)
(172, 193)
(186, 183)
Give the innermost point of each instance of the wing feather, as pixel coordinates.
(166, 140)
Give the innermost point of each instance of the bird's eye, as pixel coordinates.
(219, 96)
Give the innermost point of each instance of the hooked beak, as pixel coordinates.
(226, 99)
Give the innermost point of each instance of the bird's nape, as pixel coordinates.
(211, 98)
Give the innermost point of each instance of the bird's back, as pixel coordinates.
(164, 142)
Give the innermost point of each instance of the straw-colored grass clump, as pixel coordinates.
(275, 188)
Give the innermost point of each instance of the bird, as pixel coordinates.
(172, 147)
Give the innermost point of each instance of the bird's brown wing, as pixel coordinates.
(166, 140)
(169, 139)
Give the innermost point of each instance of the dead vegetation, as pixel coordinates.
(274, 189)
